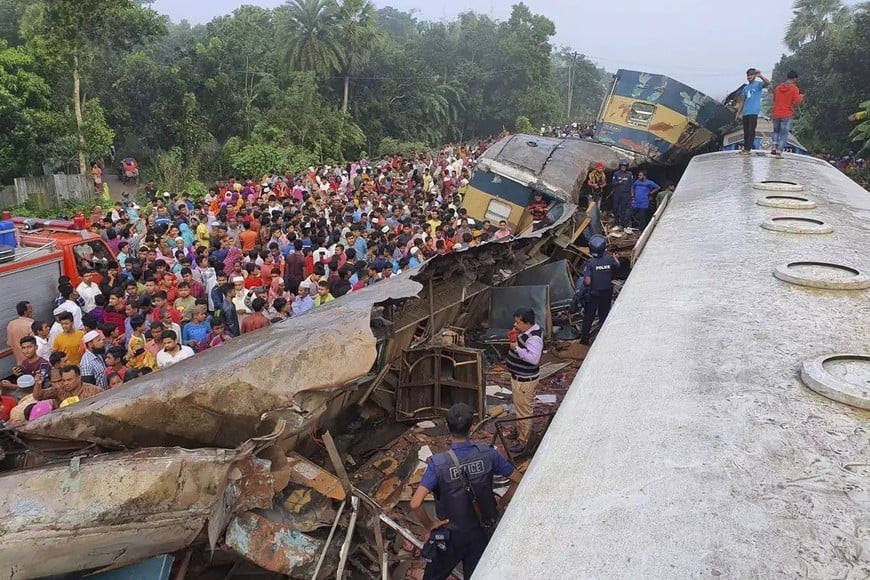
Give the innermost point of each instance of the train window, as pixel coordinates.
(497, 211)
(641, 114)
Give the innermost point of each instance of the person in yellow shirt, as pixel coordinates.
(323, 294)
(203, 236)
(70, 340)
(433, 222)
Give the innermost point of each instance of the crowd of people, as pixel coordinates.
(191, 275)
(576, 129)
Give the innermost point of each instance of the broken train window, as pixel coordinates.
(497, 211)
(641, 114)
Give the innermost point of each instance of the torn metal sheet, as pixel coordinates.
(304, 472)
(110, 509)
(218, 397)
(275, 547)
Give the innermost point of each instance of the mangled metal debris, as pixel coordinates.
(219, 397)
(115, 508)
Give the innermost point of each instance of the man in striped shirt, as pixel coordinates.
(523, 359)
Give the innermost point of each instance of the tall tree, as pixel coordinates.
(833, 76)
(358, 35)
(811, 19)
(310, 37)
(78, 31)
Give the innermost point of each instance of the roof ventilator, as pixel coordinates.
(778, 186)
(786, 202)
(796, 225)
(822, 275)
(844, 378)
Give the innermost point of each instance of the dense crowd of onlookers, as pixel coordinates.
(189, 275)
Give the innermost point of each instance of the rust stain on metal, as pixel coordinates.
(307, 473)
(110, 509)
(275, 547)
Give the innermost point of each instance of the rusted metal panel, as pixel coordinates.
(433, 379)
(275, 547)
(218, 397)
(109, 509)
(304, 472)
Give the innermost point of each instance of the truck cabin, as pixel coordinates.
(495, 198)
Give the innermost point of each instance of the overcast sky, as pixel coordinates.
(706, 44)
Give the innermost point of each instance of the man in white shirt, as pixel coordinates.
(41, 331)
(172, 352)
(88, 290)
(69, 305)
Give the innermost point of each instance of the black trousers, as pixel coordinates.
(750, 123)
(466, 547)
(598, 304)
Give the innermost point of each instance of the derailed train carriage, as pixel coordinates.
(718, 427)
(264, 394)
(242, 408)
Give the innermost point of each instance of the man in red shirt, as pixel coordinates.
(785, 97)
(257, 320)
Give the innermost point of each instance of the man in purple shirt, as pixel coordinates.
(523, 359)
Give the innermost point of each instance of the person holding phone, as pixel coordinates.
(525, 346)
(30, 363)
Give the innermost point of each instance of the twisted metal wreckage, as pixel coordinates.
(204, 449)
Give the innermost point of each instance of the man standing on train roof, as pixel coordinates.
(786, 96)
(598, 280)
(621, 182)
(750, 107)
(465, 506)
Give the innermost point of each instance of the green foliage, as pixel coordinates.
(861, 133)
(833, 75)
(258, 159)
(309, 82)
(26, 124)
(98, 135)
(312, 44)
(811, 20)
(172, 173)
(523, 125)
(69, 208)
(390, 146)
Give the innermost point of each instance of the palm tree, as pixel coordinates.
(358, 35)
(311, 41)
(443, 103)
(811, 20)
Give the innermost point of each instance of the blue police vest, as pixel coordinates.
(452, 502)
(602, 274)
(622, 181)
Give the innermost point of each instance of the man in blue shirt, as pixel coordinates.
(641, 191)
(459, 479)
(197, 330)
(750, 107)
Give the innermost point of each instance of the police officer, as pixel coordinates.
(621, 182)
(598, 278)
(465, 505)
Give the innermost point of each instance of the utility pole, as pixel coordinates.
(570, 86)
